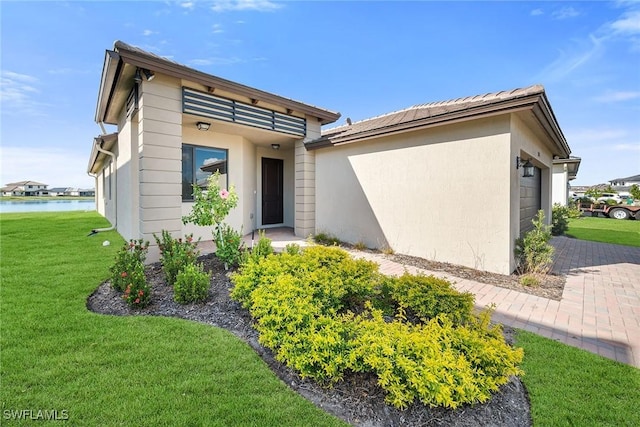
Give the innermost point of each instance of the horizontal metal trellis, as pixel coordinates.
(215, 107)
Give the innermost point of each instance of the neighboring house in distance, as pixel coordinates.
(564, 171)
(70, 191)
(440, 181)
(623, 185)
(25, 188)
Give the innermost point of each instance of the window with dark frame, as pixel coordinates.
(198, 163)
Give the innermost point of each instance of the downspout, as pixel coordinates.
(115, 184)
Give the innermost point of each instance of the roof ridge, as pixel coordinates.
(504, 94)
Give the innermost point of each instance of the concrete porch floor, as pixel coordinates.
(600, 306)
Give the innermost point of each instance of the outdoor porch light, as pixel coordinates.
(138, 77)
(203, 126)
(148, 74)
(275, 146)
(527, 167)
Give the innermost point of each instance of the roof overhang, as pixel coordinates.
(535, 107)
(97, 158)
(572, 164)
(119, 70)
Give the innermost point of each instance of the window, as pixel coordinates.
(197, 164)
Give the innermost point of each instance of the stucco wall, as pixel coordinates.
(441, 194)
(560, 191)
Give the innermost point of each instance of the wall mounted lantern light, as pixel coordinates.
(203, 126)
(527, 167)
(148, 75)
(275, 146)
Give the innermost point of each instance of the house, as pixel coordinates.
(175, 125)
(25, 188)
(442, 181)
(564, 171)
(623, 185)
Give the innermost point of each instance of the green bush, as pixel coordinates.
(436, 362)
(428, 297)
(304, 304)
(560, 216)
(530, 280)
(263, 248)
(137, 292)
(326, 239)
(533, 252)
(192, 284)
(229, 246)
(126, 262)
(175, 254)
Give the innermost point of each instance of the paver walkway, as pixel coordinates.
(600, 306)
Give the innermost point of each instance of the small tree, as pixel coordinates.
(211, 207)
(635, 191)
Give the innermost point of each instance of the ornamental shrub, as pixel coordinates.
(229, 246)
(137, 292)
(211, 206)
(304, 306)
(175, 254)
(428, 297)
(192, 284)
(263, 248)
(126, 262)
(533, 252)
(560, 216)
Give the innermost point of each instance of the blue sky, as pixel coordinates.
(359, 58)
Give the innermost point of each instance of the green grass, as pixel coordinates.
(108, 370)
(147, 371)
(572, 387)
(606, 230)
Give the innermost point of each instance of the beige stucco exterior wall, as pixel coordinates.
(560, 181)
(441, 194)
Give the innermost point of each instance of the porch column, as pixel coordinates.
(305, 191)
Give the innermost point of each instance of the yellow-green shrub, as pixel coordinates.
(302, 304)
(430, 296)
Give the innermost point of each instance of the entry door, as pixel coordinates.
(272, 199)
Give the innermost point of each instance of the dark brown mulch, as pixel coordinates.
(357, 400)
(551, 285)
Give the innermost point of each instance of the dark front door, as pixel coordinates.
(272, 200)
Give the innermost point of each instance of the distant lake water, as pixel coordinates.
(7, 206)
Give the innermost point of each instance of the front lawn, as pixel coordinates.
(572, 387)
(606, 230)
(107, 370)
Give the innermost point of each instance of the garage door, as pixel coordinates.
(530, 201)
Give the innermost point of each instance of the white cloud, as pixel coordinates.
(147, 33)
(217, 29)
(216, 61)
(17, 91)
(627, 147)
(55, 167)
(628, 23)
(617, 96)
(239, 5)
(571, 59)
(565, 13)
(187, 5)
(537, 12)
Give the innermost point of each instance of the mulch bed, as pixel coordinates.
(357, 400)
(551, 285)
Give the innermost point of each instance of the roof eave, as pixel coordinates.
(143, 60)
(96, 159)
(108, 82)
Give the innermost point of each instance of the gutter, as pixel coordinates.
(97, 145)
